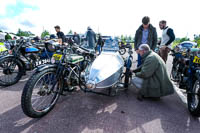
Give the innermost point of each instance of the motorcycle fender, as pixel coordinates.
(197, 74)
(128, 62)
(45, 66)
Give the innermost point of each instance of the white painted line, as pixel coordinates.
(180, 94)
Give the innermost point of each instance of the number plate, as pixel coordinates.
(57, 56)
(196, 60)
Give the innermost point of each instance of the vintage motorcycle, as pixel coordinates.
(23, 57)
(186, 72)
(49, 81)
(43, 89)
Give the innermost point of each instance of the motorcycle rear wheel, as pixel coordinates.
(193, 99)
(11, 71)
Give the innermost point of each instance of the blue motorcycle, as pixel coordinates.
(22, 57)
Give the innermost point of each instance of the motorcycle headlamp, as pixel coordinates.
(90, 85)
(51, 46)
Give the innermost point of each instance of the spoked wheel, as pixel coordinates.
(175, 75)
(11, 71)
(122, 51)
(193, 99)
(41, 93)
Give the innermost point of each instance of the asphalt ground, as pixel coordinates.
(80, 112)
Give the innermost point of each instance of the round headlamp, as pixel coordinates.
(90, 85)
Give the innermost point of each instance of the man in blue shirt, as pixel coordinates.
(146, 34)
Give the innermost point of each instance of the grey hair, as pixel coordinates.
(144, 47)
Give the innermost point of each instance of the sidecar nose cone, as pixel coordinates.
(90, 84)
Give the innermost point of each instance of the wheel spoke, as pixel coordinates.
(42, 97)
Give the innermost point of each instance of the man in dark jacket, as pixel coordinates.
(91, 38)
(8, 37)
(76, 38)
(100, 44)
(154, 79)
(146, 34)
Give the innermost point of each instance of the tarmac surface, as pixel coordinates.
(80, 112)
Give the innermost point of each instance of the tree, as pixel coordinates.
(24, 33)
(1, 31)
(197, 40)
(45, 33)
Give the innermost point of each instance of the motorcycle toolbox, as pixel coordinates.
(74, 59)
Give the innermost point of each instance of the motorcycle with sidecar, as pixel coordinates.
(49, 81)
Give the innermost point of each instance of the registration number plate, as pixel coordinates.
(196, 60)
(57, 56)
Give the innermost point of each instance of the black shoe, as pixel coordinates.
(155, 98)
(69, 89)
(140, 97)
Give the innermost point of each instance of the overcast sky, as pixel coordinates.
(109, 17)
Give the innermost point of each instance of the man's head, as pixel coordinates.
(145, 22)
(57, 28)
(75, 33)
(143, 48)
(162, 24)
(89, 28)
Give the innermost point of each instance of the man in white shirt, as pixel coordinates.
(166, 41)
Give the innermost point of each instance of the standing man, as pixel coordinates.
(167, 38)
(61, 36)
(8, 37)
(99, 44)
(76, 38)
(146, 34)
(91, 38)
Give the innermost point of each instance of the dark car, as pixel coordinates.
(187, 44)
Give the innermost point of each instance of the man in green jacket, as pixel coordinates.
(155, 79)
(8, 37)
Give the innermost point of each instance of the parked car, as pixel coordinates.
(187, 44)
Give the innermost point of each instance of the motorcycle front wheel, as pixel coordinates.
(41, 93)
(193, 99)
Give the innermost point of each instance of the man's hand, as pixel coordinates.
(133, 70)
(60, 41)
(163, 47)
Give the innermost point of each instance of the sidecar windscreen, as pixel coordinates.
(111, 45)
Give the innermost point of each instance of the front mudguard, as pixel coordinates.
(45, 66)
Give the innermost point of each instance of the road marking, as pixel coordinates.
(180, 94)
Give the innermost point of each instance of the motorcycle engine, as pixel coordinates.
(33, 56)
